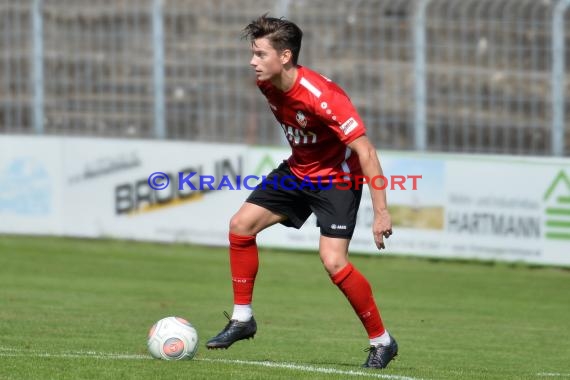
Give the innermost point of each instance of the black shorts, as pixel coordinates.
(335, 209)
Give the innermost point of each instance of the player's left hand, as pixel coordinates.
(382, 227)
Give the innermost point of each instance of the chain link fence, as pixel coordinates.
(485, 76)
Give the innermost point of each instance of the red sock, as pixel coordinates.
(244, 264)
(359, 293)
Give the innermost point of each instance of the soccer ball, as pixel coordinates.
(172, 338)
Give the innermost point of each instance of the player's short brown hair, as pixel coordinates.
(282, 34)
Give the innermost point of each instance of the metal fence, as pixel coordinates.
(484, 76)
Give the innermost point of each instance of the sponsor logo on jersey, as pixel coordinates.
(348, 126)
(338, 226)
(299, 136)
(301, 119)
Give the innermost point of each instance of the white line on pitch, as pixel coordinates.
(12, 352)
(308, 368)
(5, 351)
(553, 374)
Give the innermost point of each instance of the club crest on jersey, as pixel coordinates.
(301, 119)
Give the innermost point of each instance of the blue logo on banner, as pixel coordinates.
(25, 188)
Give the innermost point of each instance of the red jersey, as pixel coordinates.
(319, 121)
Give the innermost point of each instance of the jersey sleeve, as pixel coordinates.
(335, 109)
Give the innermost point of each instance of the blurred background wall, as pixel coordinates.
(469, 76)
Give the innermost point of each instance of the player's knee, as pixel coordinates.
(240, 226)
(333, 264)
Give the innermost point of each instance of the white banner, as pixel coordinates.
(476, 207)
(100, 188)
(454, 206)
(108, 193)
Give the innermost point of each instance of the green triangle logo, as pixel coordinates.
(558, 209)
(560, 177)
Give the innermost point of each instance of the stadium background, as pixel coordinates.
(483, 76)
(97, 94)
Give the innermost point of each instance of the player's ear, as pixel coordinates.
(286, 56)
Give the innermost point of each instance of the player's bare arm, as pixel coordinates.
(370, 164)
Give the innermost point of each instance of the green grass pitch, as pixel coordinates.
(81, 309)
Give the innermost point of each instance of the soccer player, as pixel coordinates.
(329, 144)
